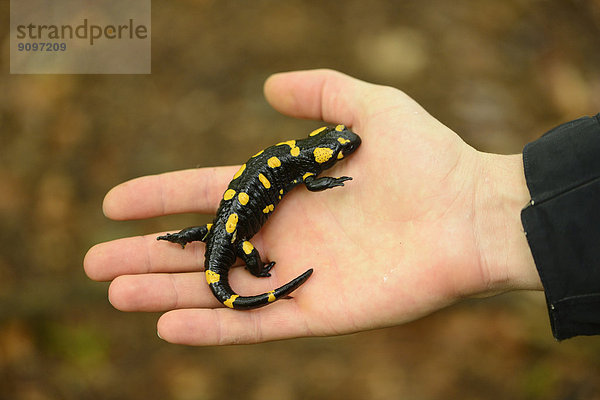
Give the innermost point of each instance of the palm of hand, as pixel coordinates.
(384, 247)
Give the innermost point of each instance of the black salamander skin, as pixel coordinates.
(251, 197)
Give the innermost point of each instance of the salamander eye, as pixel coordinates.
(350, 145)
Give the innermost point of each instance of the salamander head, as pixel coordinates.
(333, 144)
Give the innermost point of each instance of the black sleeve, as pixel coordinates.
(562, 223)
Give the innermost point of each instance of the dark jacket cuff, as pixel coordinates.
(562, 223)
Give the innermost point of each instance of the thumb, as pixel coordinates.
(319, 94)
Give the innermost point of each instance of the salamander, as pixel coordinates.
(251, 197)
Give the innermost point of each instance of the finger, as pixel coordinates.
(161, 292)
(318, 94)
(164, 292)
(193, 190)
(203, 327)
(146, 255)
(140, 255)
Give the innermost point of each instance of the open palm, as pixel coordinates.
(407, 236)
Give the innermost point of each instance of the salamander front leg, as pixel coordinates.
(246, 251)
(325, 182)
(187, 235)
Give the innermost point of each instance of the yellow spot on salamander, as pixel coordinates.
(231, 223)
(294, 150)
(306, 175)
(229, 194)
(212, 277)
(291, 143)
(240, 171)
(340, 156)
(229, 301)
(281, 191)
(322, 154)
(247, 247)
(317, 131)
(274, 162)
(271, 296)
(268, 208)
(340, 128)
(263, 179)
(208, 227)
(258, 154)
(243, 198)
(343, 141)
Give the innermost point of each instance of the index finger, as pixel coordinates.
(193, 190)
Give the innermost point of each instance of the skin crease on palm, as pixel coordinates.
(426, 221)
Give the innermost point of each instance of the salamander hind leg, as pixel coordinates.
(187, 235)
(246, 251)
(326, 182)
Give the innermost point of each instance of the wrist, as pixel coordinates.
(504, 254)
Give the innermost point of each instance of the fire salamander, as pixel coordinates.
(252, 195)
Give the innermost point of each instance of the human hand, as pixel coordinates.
(426, 221)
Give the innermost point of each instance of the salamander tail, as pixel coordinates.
(221, 289)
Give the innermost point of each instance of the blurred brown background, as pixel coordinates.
(499, 73)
